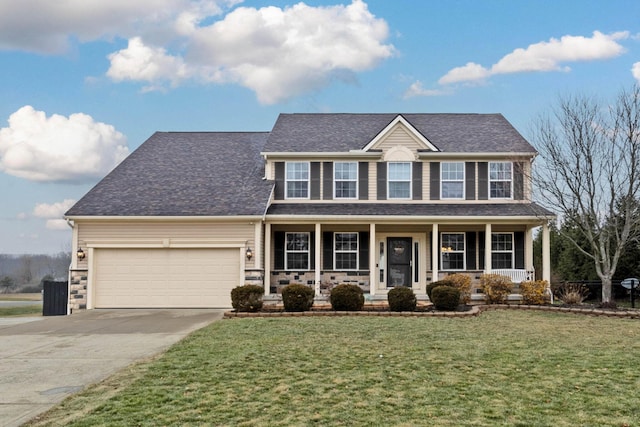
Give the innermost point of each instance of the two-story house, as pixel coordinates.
(381, 200)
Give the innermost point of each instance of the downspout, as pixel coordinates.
(71, 225)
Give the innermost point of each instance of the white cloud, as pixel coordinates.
(53, 210)
(544, 56)
(58, 148)
(417, 89)
(57, 224)
(47, 26)
(635, 70)
(278, 53)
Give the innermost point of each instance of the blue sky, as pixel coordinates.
(85, 82)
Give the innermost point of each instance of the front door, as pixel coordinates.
(399, 261)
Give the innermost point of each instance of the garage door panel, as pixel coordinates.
(143, 278)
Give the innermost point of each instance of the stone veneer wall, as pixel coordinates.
(254, 277)
(328, 279)
(78, 290)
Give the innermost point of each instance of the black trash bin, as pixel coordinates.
(55, 298)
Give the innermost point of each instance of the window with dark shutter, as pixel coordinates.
(279, 172)
(364, 250)
(435, 180)
(327, 180)
(278, 250)
(327, 250)
(382, 181)
(483, 181)
(518, 181)
(315, 180)
(417, 180)
(518, 238)
(471, 250)
(470, 178)
(363, 180)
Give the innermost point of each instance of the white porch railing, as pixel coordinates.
(516, 275)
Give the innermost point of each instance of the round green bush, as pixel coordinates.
(445, 298)
(431, 286)
(402, 298)
(247, 298)
(297, 297)
(347, 297)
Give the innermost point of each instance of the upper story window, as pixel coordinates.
(399, 180)
(452, 180)
(296, 251)
(500, 180)
(345, 180)
(452, 251)
(502, 250)
(346, 251)
(297, 180)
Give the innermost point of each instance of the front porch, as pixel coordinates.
(379, 256)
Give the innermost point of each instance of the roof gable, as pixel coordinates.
(400, 129)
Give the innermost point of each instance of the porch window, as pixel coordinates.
(500, 180)
(345, 178)
(297, 180)
(502, 250)
(452, 180)
(399, 180)
(452, 251)
(346, 251)
(296, 253)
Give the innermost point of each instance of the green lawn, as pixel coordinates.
(515, 368)
(24, 310)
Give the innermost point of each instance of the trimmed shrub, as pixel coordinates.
(247, 298)
(496, 288)
(402, 298)
(297, 297)
(534, 292)
(463, 283)
(446, 298)
(572, 293)
(347, 297)
(431, 286)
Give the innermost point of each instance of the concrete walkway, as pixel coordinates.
(43, 360)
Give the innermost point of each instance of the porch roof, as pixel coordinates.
(449, 210)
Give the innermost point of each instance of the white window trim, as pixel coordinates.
(513, 250)
(489, 181)
(463, 252)
(442, 181)
(410, 182)
(336, 251)
(287, 251)
(345, 180)
(286, 181)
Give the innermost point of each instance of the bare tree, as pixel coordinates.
(588, 173)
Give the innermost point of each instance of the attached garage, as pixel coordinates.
(162, 278)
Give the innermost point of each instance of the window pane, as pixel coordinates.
(297, 261)
(453, 241)
(346, 261)
(297, 189)
(345, 189)
(345, 170)
(297, 170)
(502, 242)
(501, 260)
(452, 190)
(399, 171)
(453, 261)
(501, 189)
(297, 241)
(399, 190)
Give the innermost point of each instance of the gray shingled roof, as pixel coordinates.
(184, 174)
(462, 133)
(406, 209)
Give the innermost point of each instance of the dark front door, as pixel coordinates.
(399, 261)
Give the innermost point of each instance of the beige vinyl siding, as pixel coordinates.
(162, 233)
(373, 181)
(426, 181)
(399, 136)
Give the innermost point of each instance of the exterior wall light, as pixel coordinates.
(80, 254)
(249, 254)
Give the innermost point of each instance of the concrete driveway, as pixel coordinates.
(45, 359)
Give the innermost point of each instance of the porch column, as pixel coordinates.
(317, 260)
(257, 246)
(546, 253)
(487, 248)
(267, 258)
(373, 260)
(528, 248)
(435, 253)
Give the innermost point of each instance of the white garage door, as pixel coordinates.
(159, 278)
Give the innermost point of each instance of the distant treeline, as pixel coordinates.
(25, 273)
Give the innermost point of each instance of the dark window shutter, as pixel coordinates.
(417, 180)
(363, 180)
(435, 181)
(327, 181)
(470, 178)
(471, 250)
(327, 250)
(481, 244)
(382, 181)
(278, 250)
(279, 190)
(315, 180)
(312, 250)
(518, 245)
(518, 181)
(483, 181)
(364, 250)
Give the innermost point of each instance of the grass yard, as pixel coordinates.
(24, 310)
(514, 368)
